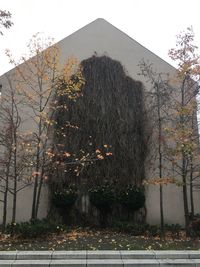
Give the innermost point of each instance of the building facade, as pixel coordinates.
(102, 38)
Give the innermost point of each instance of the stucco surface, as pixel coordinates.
(102, 38)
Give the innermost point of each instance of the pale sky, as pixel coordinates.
(153, 23)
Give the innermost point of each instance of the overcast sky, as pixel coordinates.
(153, 23)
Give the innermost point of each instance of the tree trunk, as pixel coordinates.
(39, 195)
(191, 191)
(185, 198)
(15, 180)
(41, 181)
(5, 200)
(33, 214)
(160, 159)
(14, 202)
(161, 211)
(35, 191)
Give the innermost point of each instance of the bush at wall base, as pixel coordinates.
(102, 197)
(64, 199)
(132, 198)
(33, 229)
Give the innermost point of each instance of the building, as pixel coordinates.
(104, 39)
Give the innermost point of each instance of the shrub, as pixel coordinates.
(131, 228)
(195, 226)
(102, 197)
(153, 230)
(133, 198)
(174, 229)
(33, 229)
(137, 229)
(65, 199)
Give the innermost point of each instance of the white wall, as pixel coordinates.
(105, 39)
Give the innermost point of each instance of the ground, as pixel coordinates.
(87, 239)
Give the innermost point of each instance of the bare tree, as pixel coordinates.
(37, 79)
(158, 100)
(184, 151)
(13, 153)
(5, 21)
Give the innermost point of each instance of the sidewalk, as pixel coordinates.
(83, 258)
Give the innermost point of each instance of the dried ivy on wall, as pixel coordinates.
(111, 111)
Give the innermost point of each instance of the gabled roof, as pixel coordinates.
(102, 38)
(105, 39)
